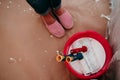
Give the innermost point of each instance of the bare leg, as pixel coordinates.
(49, 19)
(60, 11)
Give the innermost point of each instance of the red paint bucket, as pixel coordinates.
(97, 58)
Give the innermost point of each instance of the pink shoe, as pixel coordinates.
(55, 29)
(66, 20)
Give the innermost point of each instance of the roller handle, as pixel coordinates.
(77, 50)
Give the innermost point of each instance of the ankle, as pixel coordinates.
(59, 11)
(49, 19)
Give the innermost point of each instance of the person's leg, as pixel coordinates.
(63, 15)
(42, 7)
(55, 4)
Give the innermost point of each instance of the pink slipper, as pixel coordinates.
(66, 20)
(55, 29)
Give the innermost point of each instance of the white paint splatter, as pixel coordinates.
(104, 16)
(57, 52)
(97, 0)
(45, 51)
(24, 10)
(51, 36)
(12, 60)
(10, 2)
(8, 6)
(30, 9)
(0, 3)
